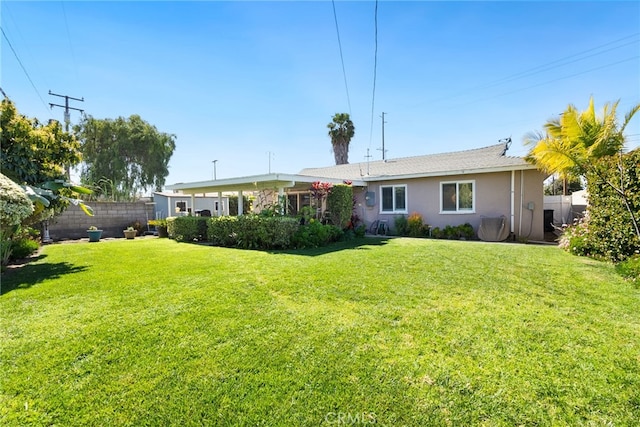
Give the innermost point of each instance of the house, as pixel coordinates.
(480, 186)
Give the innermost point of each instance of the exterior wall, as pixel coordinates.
(165, 206)
(492, 199)
(111, 217)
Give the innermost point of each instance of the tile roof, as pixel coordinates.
(479, 160)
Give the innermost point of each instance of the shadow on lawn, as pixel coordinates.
(363, 243)
(29, 275)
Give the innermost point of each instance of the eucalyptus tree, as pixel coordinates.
(573, 143)
(341, 130)
(129, 154)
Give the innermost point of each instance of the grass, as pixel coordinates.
(392, 332)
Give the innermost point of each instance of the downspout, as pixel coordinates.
(521, 202)
(513, 202)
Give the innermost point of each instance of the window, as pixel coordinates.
(181, 206)
(457, 197)
(393, 199)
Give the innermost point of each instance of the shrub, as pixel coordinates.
(14, 203)
(314, 234)
(187, 228)
(415, 226)
(221, 231)
(610, 233)
(340, 204)
(576, 240)
(252, 231)
(437, 233)
(360, 230)
(22, 248)
(630, 269)
(401, 225)
(465, 231)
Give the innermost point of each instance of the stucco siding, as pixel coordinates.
(492, 198)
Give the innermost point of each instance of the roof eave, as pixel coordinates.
(253, 183)
(495, 169)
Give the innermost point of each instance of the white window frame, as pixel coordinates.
(459, 211)
(179, 209)
(395, 210)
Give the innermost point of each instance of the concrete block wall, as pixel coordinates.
(111, 217)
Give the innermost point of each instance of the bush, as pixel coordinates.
(340, 204)
(252, 231)
(575, 238)
(415, 226)
(14, 203)
(221, 231)
(314, 234)
(187, 228)
(630, 269)
(610, 233)
(463, 231)
(401, 225)
(22, 248)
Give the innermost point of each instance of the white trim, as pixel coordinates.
(473, 197)
(395, 211)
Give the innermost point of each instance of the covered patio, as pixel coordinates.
(283, 184)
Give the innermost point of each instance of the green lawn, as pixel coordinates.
(387, 332)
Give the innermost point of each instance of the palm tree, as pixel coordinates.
(341, 130)
(573, 143)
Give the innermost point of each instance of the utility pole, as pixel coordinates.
(384, 157)
(67, 118)
(66, 107)
(269, 153)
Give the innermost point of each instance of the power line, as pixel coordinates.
(22, 66)
(375, 70)
(73, 54)
(344, 73)
(544, 67)
(548, 81)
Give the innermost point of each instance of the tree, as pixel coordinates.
(34, 153)
(36, 157)
(341, 130)
(130, 155)
(574, 143)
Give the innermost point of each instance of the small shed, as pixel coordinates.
(167, 204)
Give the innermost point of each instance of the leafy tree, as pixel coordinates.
(129, 154)
(34, 153)
(574, 143)
(341, 130)
(37, 156)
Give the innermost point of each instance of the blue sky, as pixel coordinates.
(236, 81)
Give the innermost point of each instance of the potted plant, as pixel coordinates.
(161, 226)
(130, 233)
(94, 234)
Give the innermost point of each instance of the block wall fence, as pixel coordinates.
(111, 217)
